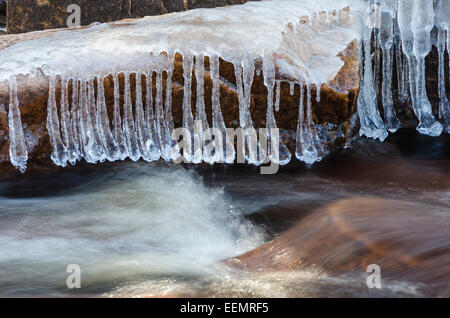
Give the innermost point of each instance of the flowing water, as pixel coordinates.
(143, 230)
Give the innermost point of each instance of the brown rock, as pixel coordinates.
(407, 240)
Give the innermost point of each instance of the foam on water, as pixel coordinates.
(139, 221)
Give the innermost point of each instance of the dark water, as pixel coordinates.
(138, 229)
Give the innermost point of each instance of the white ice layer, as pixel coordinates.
(300, 39)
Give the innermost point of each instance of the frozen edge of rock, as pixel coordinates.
(84, 131)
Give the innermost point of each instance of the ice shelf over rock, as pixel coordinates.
(296, 40)
(287, 40)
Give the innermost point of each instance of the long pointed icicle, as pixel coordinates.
(188, 118)
(309, 148)
(85, 124)
(444, 105)
(386, 38)
(292, 88)
(75, 121)
(117, 121)
(318, 92)
(141, 132)
(277, 150)
(154, 148)
(300, 139)
(17, 147)
(244, 79)
(161, 123)
(278, 96)
(443, 25)
(173, 143)
(65, 117)
(59, 153)
(67, 132)
(201, 122)
(128, 123)
(415, 26)
(228, 153)
(402, 87)
(372, 125)
(107, 139)
(98, 146)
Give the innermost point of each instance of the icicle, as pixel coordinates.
(117, 121)
(276, 149)
(401, 65)
(59, 153)
(161, 123)
(175, 151)
(67, 132)
(443, 14)
(422, 23)
(254, 154)
(75, 120)
(374, 6)
(278, 96)
(300, 139)
(146, 144)
(312, 144)
(85, 125)
(386, 38)
(223, 141)
(150, 123)
(391, 120)
(128, 123)
(318, 89)
(309, 149)
(65, 117)
(98, 145)
(415, 23)
(201, 123)
(109, 145)
(292, 88)
(188, 118)
(244, 115)
(371, 123)
(444, 105)
(141, 132)
(18, 153)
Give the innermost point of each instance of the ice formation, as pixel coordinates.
(280, 33)
(402, 30)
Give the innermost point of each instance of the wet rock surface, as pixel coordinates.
(349, 235)
(32, 15)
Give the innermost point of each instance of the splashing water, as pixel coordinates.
(137, 221)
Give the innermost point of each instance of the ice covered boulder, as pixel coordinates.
(255, 59)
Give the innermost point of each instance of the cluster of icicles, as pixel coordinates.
(403, 31)
(82, 129)
(400, 34)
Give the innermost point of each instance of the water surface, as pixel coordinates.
(139, 229)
